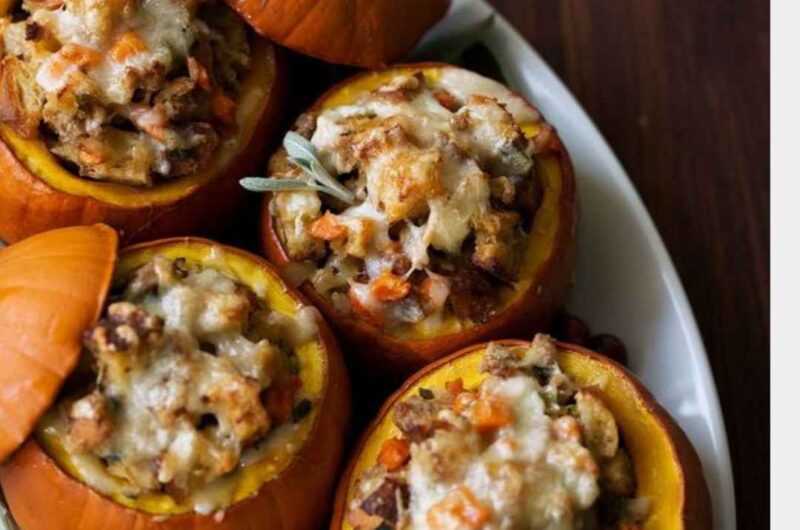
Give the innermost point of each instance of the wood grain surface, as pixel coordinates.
(680, 90)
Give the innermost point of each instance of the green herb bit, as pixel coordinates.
(301, 410)
(302, 154)
(426, 393)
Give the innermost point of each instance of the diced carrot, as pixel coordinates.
(360, 310)
(80, 55)
(463, 401)
(126, 46)
(159, 133)
(473, 512)
(446, 99)
(489, 415)
(394, 454)
(151, 120)
(223, 107)
(280, 398)
(199, 73)
(460, 509)
(454, 387)
(390, 288)
(327, 228)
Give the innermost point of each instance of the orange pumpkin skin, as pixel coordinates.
(29, 204)
(530, 312)
(298, 498)
(367, 34)
(690, 509)
(40, 342)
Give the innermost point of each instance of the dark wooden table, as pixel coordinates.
(680, 90)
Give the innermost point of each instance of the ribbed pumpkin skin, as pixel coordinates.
(203, 203)
(382, 354)
(43, 497)
(666, 464)
(360, 33)
(40, 341)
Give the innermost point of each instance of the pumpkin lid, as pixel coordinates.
(52, 287)
(351, 32)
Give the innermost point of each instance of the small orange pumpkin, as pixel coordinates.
(368, 34)
(37, 193)
(547, 263)
(52, 286)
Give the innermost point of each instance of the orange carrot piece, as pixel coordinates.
(463, 401)
(473, 512)
(80, 55)
(446, 99)
(126, 46)
(360, 310)
(390, 288)
(223, 107)
(151, 120)
(489, 415)
(327, 228)
(199, 73)
(460, 509)
(454, 387)
(394, 454)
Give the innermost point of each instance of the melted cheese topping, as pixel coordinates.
(523, 475)
(414, 161)
(185, 388)
(165, 34)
